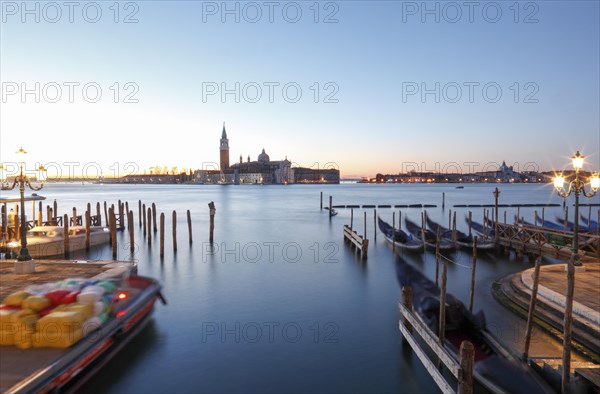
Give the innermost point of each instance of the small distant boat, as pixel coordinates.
(494, 368)
(399, 237)
(459, 187)
(333, 211)
(48, 241)
(462, 239)
(430, 237)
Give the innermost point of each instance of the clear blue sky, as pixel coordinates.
(370, 59)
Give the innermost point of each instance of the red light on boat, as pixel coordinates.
(121, 295)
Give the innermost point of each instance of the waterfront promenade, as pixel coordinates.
(514, 291)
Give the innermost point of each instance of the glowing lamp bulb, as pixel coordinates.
(578, 161)
(595, 182)
(121, 295)
(559, 182)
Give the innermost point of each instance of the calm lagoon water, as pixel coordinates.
(279, 303)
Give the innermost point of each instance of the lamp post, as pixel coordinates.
(22, 179)
(576, 187)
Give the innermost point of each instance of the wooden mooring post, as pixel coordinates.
(107, 219)
(399, 220)
(189, 222)
(467, 359)
(121, 216)
(473, 268)
(351, 218)
(144, 218)
(162, 234)
(531, 312)
(98, 215)
(496, 199)
(423, 230)
(149, 221)
(127, 212)
(543, 218)
(567, 328)
(454, 227)
(321, 205)
(88, 220)
(212, 210)
(131, 231)
(393, 227)
(140, 212)
(4, 223)
(442, 317)
(175, 231)
(470, 224)
(113, 231)
(437, 255)
(407, 301)
(66, 245)
(17, 223)
(154, 217)
(330, 205)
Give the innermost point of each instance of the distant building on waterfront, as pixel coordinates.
(504, 174)
(263, 170)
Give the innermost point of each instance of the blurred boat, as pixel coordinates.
(399, 238)
(494, 368)
(430, 238)
(462, 239)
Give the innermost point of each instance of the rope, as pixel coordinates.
(454, 262)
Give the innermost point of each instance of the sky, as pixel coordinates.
(367, 87)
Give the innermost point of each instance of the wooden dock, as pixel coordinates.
(536, 240)
(354, 240)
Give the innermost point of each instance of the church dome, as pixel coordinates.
(263, 157)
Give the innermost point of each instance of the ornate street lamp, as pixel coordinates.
(22, 179)
(576, 187)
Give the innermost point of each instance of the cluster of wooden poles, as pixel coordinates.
(147, 220)
(115, 218)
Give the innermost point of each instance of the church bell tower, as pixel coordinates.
(224, 149)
